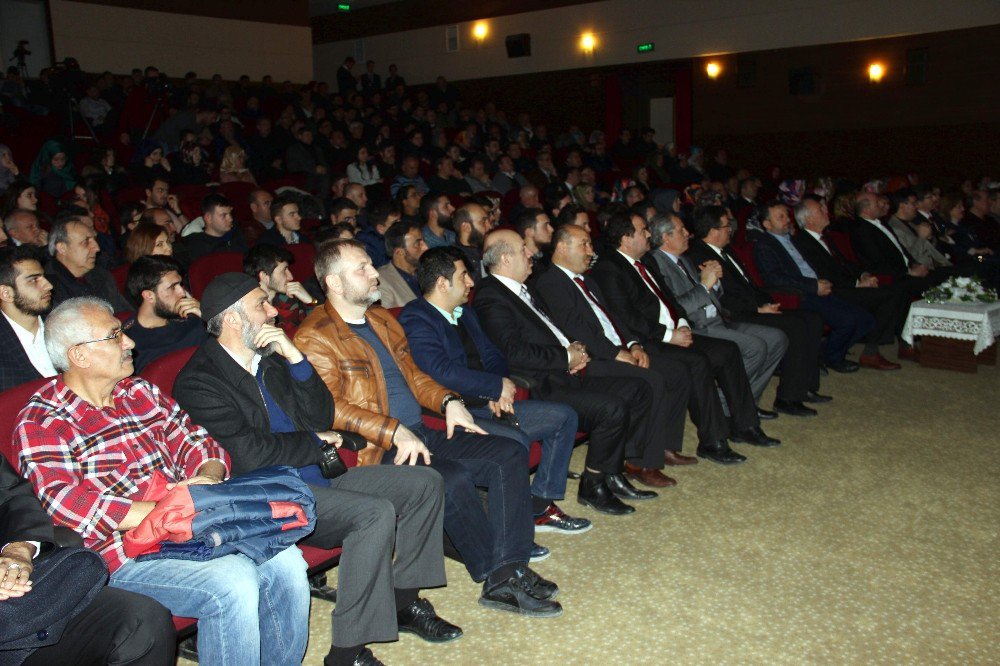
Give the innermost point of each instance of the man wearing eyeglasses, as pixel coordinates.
(92, 442)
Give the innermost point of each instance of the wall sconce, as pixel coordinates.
(713, 69)
(479, 30)
(875, 72)
(588, 43)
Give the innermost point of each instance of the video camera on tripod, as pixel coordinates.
(21, 52)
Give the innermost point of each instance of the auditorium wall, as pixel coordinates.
(187, 35)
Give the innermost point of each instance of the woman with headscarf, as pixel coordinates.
(52, 171)
(189, 165)
(8, 170)
(149, 163)
(233, 168)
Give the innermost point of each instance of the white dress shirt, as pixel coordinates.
(664, 318)
(520, 291)
(609, 329)
(34, 346)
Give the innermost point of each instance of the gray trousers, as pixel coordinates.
(367, 511)
(762, 348)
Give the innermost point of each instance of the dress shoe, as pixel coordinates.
(793, 408)
(877, 362)
(908, 353)
(596, 494)
(720, 453)
(364, 658)
(622, 489)
(675, 458)
(844, 366)
(812, 396)
(653, 478)
(555, 520)
(540, 588)
(765, 415)
(538, 553)
(755, 437)
(516, 595)
(419, 618)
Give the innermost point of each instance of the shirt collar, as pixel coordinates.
(452, 316)
(571, 274)
(815, 235)
(254, 362)
(673, 258)
(23, 334)
(511, 284)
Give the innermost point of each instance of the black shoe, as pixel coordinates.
(596, 494)
(622, 489)
(540, 588)
(516, 595)
(720, 453)
(366, 658)
(812, 396)
(756, 437)
(419, 618)
(793, 408)
(844, 366)
(765, 415)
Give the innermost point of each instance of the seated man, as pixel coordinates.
(342, 210)
(436, 211)
(472, 223)
(781, 265)
(287, 222)
(23, 228)
(246, 613)
(73, 270)
(25, 295)
(259, 397)
(880, 252)
(381, 217)
(269, 265)
(362, 355)
(219, 235)
(615, 410)
(168, 318)
(397, 279)
(114, 626)
(449, 344)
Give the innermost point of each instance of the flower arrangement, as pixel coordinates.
(961, 290)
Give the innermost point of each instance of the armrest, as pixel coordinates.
(787, 300)
(523, 382)
(67, 538)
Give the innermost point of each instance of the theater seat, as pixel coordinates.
(163, 371)
(120, 274)
(787, 300)
(302, 267)
(204, 269)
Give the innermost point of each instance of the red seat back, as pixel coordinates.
(304, 254)
(842, 242)
(204, 269)
(120, 274)
(163, 371)
(12, 401)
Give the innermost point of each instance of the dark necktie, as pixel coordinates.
(656, 290)
(590, 295)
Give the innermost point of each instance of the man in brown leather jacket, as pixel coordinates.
(362, 355)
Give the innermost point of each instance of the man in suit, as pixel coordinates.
(646, 315)
(743, 301)
(889, 304)
(347, 83)
(73, 270)
(449, 344)
(781, 265)
(371, 82)
(614, 410)
(880, 252)
(25, 295)
(397, 279)
(116, 625)
(697, 290)
(914, 231)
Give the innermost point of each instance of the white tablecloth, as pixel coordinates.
(959, 321)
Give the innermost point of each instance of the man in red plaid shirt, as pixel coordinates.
(91, 440)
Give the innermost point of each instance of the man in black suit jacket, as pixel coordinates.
(25, 295)
(615, 410)
(880, 252)
(742, 300)
(128, 627)
(633, 298)
(889, 304)
(781, 266)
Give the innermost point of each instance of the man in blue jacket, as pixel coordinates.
(448, 344)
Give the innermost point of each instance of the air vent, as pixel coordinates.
(451, 38)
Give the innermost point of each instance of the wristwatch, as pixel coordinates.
(448, 398)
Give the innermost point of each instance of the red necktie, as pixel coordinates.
(656, 290)
(583, 285)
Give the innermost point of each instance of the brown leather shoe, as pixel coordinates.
(653, 478)
(675, 458)
(877, 362)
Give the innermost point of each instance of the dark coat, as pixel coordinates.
(740, 296)
(777, 267)
(98, 282)
(15, 367)
(832, 265)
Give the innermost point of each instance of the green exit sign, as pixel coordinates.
(648, 47)
(343, 7)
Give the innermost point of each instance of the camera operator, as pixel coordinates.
(145, 107)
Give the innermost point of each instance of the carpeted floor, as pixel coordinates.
(869, 536)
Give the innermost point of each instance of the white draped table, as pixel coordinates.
(954, 335)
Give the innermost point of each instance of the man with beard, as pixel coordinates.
(471, 225)
(269, 265)
(168, 318)
(436, 211)
(158, 196)
(25, 295)
(261, 399)
(534, 227)
(397, 279)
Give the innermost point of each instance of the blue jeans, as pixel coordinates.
(555, 424)
(247, 615)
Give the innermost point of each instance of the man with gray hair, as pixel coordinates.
(256, 393)
(73, 271)
(137, 437)
(23, 228)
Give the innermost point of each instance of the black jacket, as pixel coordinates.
(224, 398)
(832, 265)
(740, 296)
(97, 282)
(15, 367)
(876, 252)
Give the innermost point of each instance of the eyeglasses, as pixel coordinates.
(116, 336)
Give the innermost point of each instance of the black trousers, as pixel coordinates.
(800, 366)
(117, 628)
(889, 306)
(612, 409)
